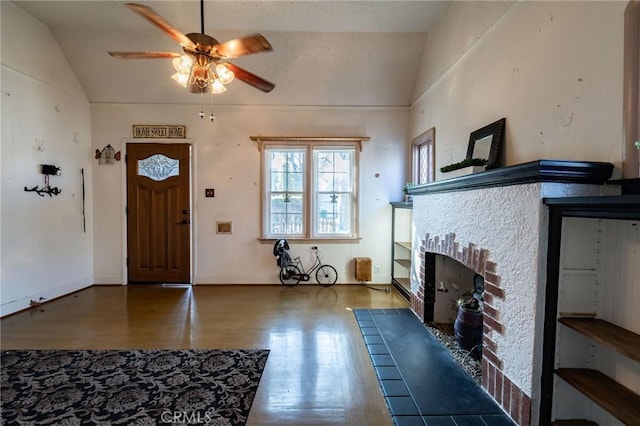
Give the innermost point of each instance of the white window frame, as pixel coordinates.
(266, 198)
(426, 141)
(316, 193)
(311, 146)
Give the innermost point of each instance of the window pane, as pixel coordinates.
(158, 167)
(286, 215)
(423, 157)
(287, 170)
(334, 170)
(333, 213)
(424, 163)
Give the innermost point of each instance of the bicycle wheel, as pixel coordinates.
(326, 275)
(290, 275)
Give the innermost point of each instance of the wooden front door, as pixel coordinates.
(158, 213)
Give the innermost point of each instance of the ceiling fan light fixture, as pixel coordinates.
(199, 78)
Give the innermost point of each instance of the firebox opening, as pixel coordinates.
(454, 297)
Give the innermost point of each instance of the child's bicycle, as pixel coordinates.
(292, 271)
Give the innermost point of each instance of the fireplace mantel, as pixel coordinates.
(585, 172)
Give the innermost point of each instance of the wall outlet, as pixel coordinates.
(377, 269)
(209, 193)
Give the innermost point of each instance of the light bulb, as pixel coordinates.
(181, 79)
(217, 87)
(183, 64)
(201, 114)
(212, 117)
(225, 75)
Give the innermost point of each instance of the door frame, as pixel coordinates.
(192, 200)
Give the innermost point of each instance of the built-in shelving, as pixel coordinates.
(610, 335)
(618, 400)
(558, 357)
(401, 247)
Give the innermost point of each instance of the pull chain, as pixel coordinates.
(211, 116)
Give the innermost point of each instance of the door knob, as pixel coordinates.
(183, 222)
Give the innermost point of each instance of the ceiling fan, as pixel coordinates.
(203, 65)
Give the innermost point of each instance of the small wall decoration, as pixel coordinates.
(47, 170)
(108, 155)
(159, 131)
(223, 227)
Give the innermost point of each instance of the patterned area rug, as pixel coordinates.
(133, 387)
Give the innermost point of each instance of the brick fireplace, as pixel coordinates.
(513, 400)
(495, 224)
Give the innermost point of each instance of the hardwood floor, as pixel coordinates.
(318, 372)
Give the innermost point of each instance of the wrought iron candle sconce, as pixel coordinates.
(47, 170)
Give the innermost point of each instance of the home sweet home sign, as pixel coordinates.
(159, 131)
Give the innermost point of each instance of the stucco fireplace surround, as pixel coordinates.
(495, 223)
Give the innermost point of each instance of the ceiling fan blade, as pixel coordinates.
(145, 55)
(159, 22)
(250, 79)
(242, 46)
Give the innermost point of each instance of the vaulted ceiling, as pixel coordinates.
(326, 53)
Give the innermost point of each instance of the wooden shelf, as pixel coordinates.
(404, 244)
(618, 400)
(405, 282)
(610, 335)
(404, 262)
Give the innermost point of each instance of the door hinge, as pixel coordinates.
(126, 209)
(127, 261)
(126, 158)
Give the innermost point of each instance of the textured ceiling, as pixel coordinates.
(328, 53)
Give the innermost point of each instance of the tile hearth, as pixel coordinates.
(421, 382)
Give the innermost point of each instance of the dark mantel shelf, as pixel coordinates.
(603, 207)
(585, 172)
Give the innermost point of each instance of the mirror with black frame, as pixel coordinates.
(486, 143)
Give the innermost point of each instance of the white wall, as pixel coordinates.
(45, 120)
(553, 69)
(228, 161)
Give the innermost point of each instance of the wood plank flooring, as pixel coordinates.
(318, 372)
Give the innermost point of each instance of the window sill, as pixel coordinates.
(354, 240)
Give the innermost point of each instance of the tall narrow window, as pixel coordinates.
(424, 157)
(286, 174)
(333, 190)
(310, 188)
